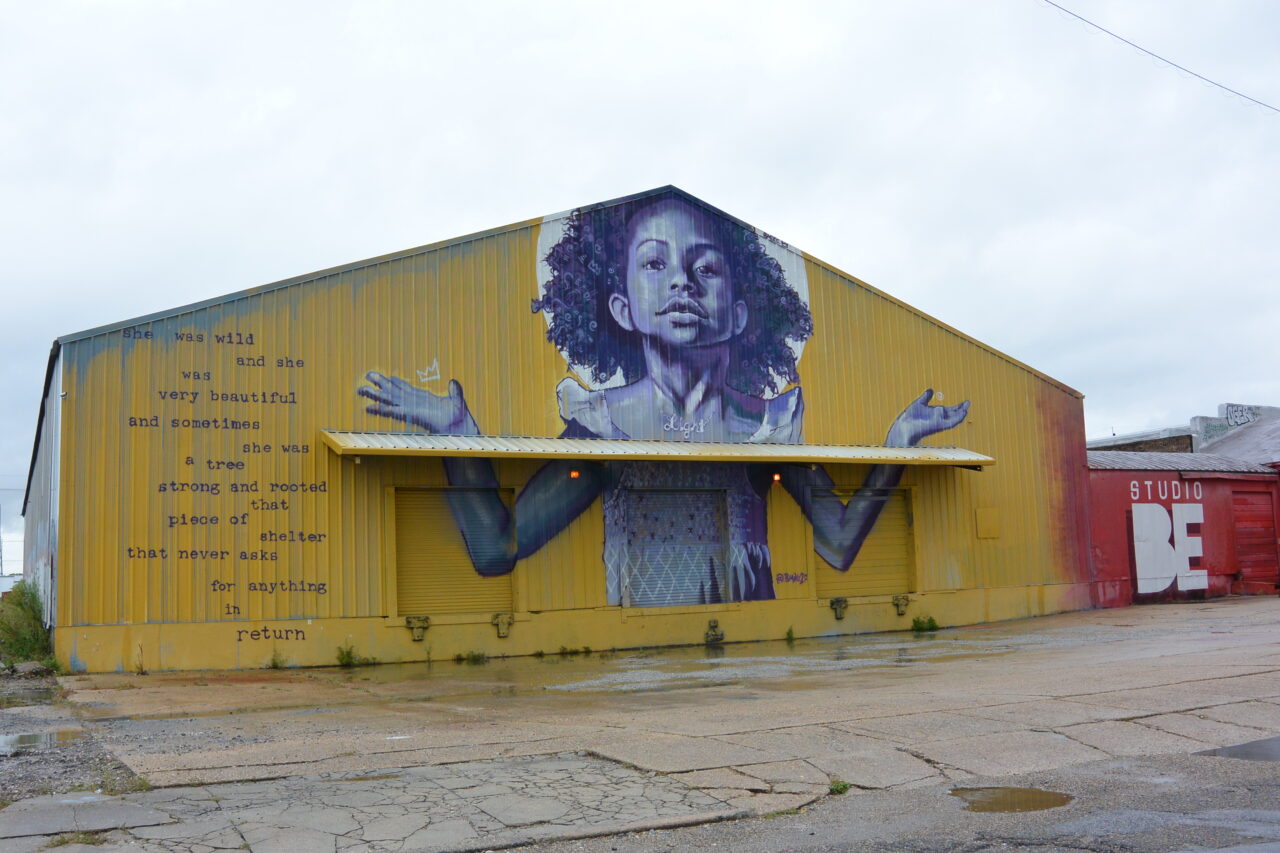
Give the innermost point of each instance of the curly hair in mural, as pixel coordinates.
(588, 264)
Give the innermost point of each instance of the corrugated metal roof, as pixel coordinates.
(415, 444)
(1132, 460)
(1130, 437)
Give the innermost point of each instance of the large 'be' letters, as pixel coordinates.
(1162, 549)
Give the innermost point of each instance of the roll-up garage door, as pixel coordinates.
(1254, 520)
(677, 544)
(434, 573)
(885, 564)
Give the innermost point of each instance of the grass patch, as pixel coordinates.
(924, 624)
(349, 657)
(91, 838)
(781, 813)
(473, 658)
(790, 636)
(277, 661)
(139, 663)
(839, 786)
(22, 633)
(130, 783)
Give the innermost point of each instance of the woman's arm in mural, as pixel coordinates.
(546, 505)
(840, 527)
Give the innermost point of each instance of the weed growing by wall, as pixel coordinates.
(22, 632)
(924, 624)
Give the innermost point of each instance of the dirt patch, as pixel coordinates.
(57, 763)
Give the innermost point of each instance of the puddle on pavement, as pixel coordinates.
(10, 744)
(771, 667)
(748, 663)
(1007, 800)
(1267, 749)
(780, 665)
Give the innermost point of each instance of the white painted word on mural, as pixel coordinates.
(1163, 546)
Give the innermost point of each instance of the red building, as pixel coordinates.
(1181, 525)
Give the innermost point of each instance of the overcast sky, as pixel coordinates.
(1030, 181)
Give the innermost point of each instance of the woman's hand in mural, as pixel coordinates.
(394, 398)
(920, 420)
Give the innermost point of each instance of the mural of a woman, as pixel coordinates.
(689, 331)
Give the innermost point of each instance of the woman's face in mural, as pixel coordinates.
(678, 288)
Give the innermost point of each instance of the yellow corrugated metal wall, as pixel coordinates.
(314, 340)
(139, 542)
(547, 579)
(791, 545)
(894, 348)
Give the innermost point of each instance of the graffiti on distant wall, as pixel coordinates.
(1167, 545)
(1238, 415)
(681, 326)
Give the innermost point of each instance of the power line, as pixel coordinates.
(1161, 58)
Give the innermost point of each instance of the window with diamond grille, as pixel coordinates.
(676, 549)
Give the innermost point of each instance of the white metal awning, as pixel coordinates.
(523, 447)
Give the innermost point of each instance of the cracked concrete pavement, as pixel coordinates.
(1153, 804)
(458, 757)
(471, 805)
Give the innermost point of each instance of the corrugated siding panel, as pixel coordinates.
(40, 515)
(862, 379)
(434, 573)
(884, 565)
(398, 317)
(568, 572)
(790, 546)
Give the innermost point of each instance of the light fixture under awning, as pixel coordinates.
(522, 447)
